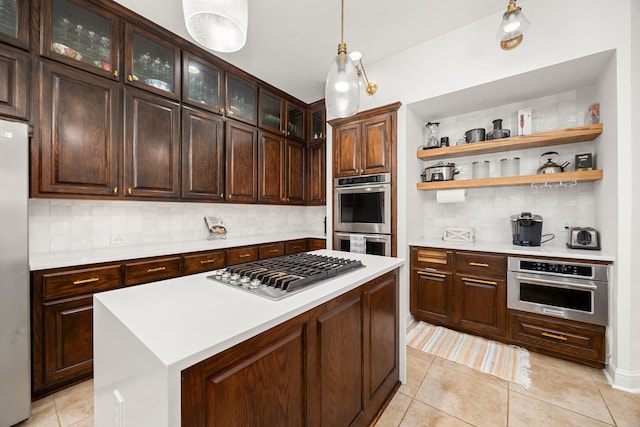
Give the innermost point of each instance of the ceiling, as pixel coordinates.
(290, 43)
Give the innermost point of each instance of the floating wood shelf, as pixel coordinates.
(565, 177)
(544, 139)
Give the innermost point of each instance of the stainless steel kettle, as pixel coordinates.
(552, 164)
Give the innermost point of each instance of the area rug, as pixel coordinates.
(501, 360)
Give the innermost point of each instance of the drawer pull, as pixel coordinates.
(153, 270)
(485, 282)
(274, 251)
(207, 261)
(83, 281)
(244, 255)
(426, 273)
(558, 337)
(479, 264)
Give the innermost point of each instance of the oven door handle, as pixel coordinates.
(554, 283)
(358, 189)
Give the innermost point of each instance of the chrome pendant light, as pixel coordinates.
(341, 91)
(513, 26)
(219, 25)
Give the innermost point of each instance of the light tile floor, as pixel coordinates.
(442, 393)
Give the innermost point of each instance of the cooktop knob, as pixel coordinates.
(244, 281)
(255, 283)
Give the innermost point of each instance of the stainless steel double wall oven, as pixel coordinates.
(362, 214)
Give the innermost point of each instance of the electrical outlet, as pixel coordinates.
(117, 240)
(118, 408)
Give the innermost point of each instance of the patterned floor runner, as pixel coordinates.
(501, 360)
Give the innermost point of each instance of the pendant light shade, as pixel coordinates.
(341, 90)
(512, 27)
(219, 25)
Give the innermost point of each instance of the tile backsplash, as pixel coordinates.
(63, 225)
(488, 210)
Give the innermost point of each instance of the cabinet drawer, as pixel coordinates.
(572, 340)
(146, 271)
(241, 255)
(440, 259)
(295, 246)
(316, 244)
(481, 264)
(271, 250)
(80, 282)
(203, 262)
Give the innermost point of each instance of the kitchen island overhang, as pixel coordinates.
(145, 336)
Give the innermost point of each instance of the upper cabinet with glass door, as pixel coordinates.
(151, 63)
(81, 34)
(318, 121)
(241, 99)
(281, 116)
(202, 84)
(14, 22)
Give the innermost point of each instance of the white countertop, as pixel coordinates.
(41, 261)
(187, 319)
(544, 250)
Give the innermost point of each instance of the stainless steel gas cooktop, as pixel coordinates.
(276, 278)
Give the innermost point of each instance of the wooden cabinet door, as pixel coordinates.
(202, 155)
(241, 181)
(14, 23)
(151, 145)
(202, 83)
(480, 304)
(340, 366)
(317, 193)
(271, 112)
(346, 150)
(68, 341)
(79, 132)
(317, 122)
(271, 168)
(431, 295)
(295, 173)
(14, 76)
(376, 145)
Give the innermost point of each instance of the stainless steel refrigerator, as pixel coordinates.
(15, 365)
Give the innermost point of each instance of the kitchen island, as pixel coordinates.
(147, 337)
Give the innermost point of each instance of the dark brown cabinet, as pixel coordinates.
(242, 255)
(151, 62)
(295, 172)
(334, 365)
(202, 155)
(241, 99)
(241, 174)
(364, 146)
(282, 168)
(201, 262)
(202, 83)
(317, 122)
(480, 292)
(14, 75)
(79, 146)
(14, 23)
(151, 270)
(295, 246)
(431, 285)
(82, 35)
(151, 145)
(282, 116)
(270, 250)
(317, 177)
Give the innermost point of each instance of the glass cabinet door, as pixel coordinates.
(150, 63)
(81, 36)
(241, 99)
(14, 22)
(318, 119)
(295, 121)
(271, 112)
(202, 84)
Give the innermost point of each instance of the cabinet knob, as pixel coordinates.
(129, 190)
(221, 195)
(222, 110)
(115, 190)
(115, 73)
(229, 197)
(129, 78)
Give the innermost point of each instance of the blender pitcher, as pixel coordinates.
(431, 135)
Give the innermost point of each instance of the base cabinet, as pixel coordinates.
(335, 365)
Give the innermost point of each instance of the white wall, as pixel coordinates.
(470, 57)
(64, 225)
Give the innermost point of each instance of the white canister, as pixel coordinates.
(510, 167)
(481, 169)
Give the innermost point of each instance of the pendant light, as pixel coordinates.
(219, 25)
(341, 91)
(513, 26)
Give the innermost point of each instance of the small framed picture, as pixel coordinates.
(584, 162)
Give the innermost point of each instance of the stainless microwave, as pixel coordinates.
(362, 204)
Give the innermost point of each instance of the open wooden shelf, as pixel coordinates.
(565, 177)
(544, 139)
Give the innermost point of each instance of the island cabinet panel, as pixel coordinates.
(335, 365)
(340, 355)
(79, 133)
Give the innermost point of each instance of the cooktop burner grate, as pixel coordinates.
(276, 278)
